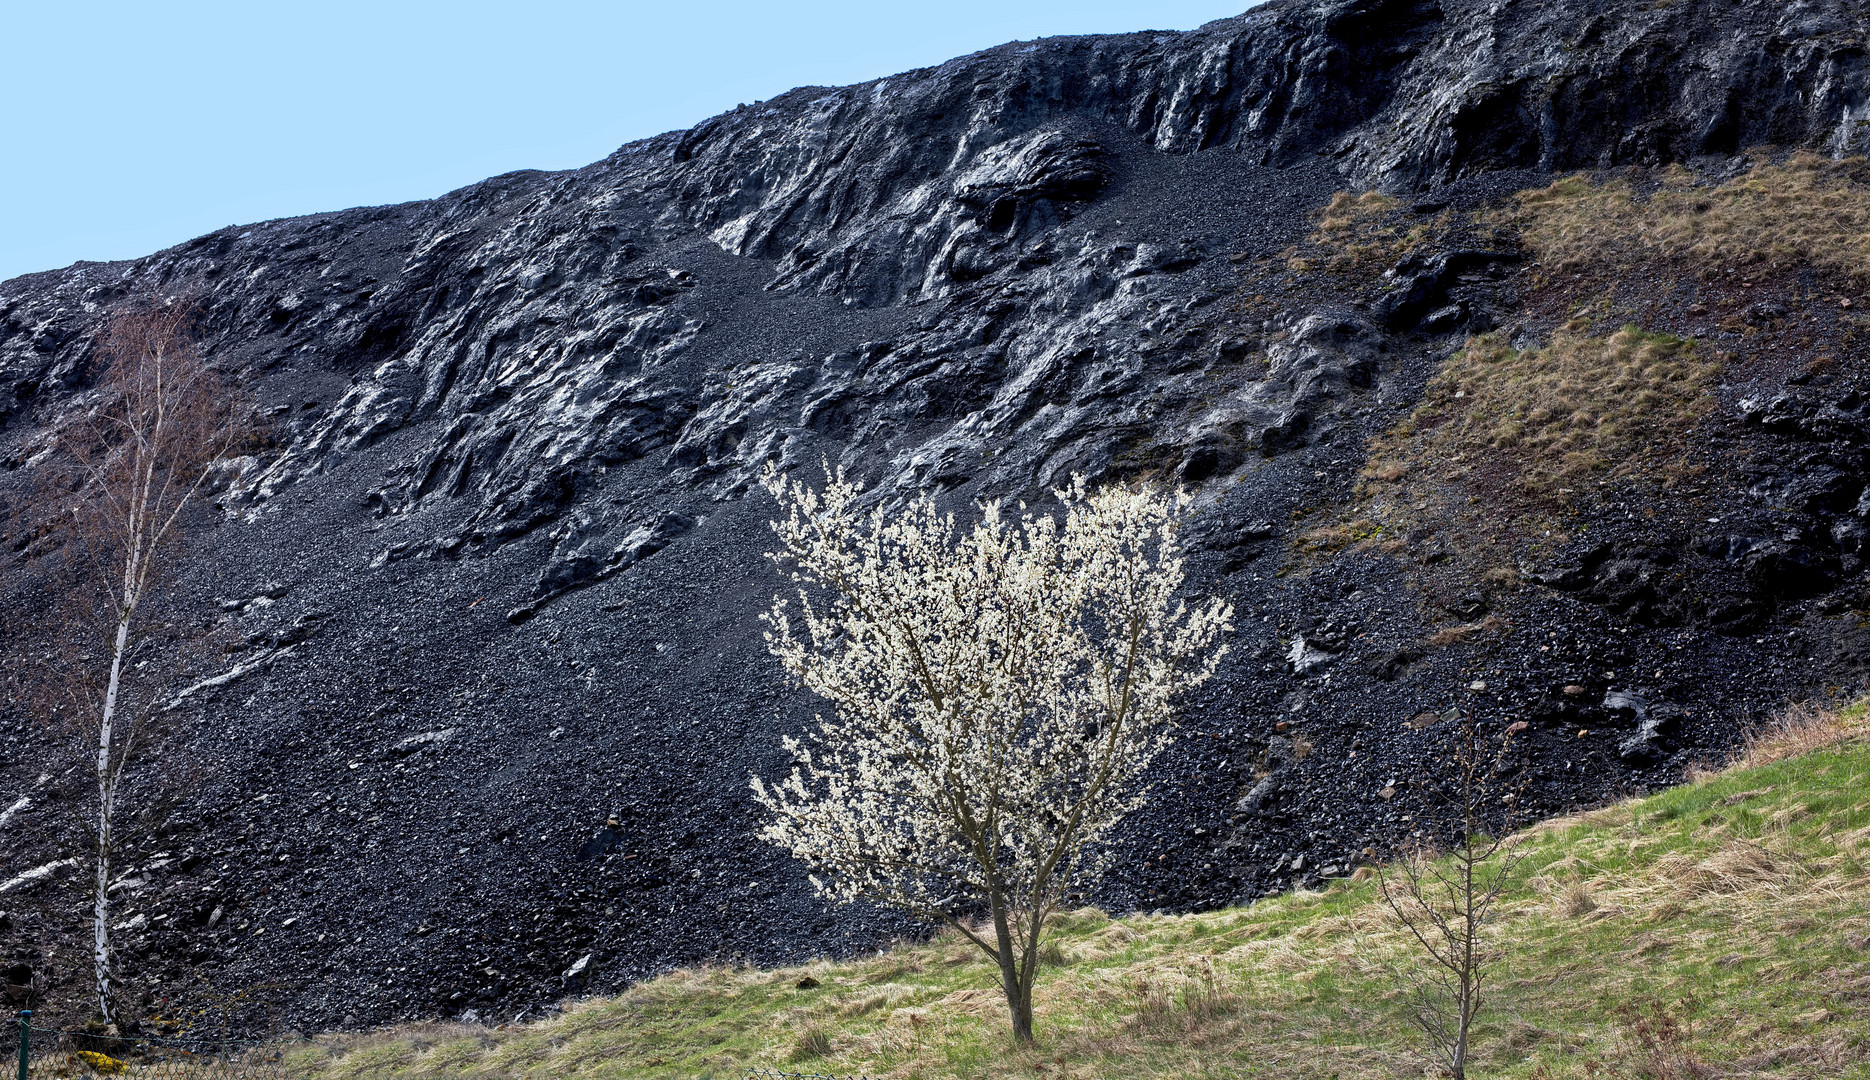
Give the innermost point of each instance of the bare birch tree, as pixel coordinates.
(132, 465)
(1448, 903)
(997, 694)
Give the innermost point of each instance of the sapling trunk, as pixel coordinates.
(1447, 912)
(133, 467)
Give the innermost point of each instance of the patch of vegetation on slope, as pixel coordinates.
(1506, 436)
(1607, 408)
(1724, 924)
(1770, 258)
(1361, 232)
(1807, 212)
(1357, 237)
(1490, 468)
(1577, 406)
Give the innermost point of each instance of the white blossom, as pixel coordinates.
(996, 694)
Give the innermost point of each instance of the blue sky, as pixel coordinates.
(134, 126)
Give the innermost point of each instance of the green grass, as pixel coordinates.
(1722, 925)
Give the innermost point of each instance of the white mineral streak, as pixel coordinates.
(228, 676)
(37, 873)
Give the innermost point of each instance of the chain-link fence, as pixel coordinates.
(34, 1053)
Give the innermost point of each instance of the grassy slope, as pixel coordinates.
(1726, 921)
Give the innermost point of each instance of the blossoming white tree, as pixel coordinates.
(997, 693)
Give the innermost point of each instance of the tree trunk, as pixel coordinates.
(1022, 1016)
(106, 812)
(1470, 930)
(1018, 992)
(1470, 1008)
(100, 937)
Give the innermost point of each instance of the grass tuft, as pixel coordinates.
(1804, 729)
(813, 1043)
(1577, 901)
(1360, 233)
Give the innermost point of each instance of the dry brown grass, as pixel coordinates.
(1576, 901)
(1737, 867)
(1364, 232)
(1337, 535)
(1345, 211)
(1801, 729)
(1452, 635)
(1578, 405)
(1808, 211)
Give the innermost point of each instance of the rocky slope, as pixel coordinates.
(492, 682)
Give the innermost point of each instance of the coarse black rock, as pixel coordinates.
(492, 680)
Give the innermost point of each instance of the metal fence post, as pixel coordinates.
(25, 1040)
